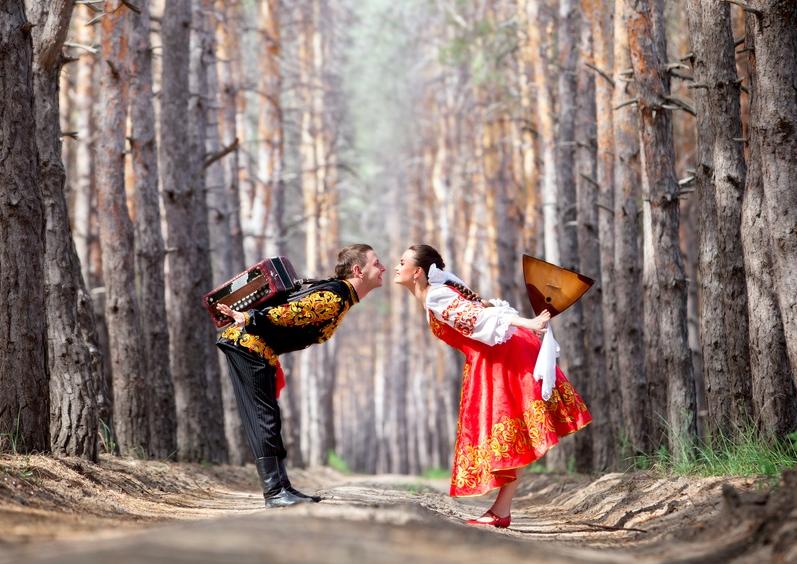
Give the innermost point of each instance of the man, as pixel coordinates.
(258, 337)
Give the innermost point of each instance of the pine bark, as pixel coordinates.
(224, 220)
(122, 314)
(627, 257)
(72, 350)
(230, 72)
(150, 252)
(600, 14)
(772, 381)
(188, 344)
(24, 397)
(84, 189)
(201, 66)
(720, 174)
(667, 358)
(539, 19)
(595, 385)
(773, 121)
(571, 333)
(271, 154)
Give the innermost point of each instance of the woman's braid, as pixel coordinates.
(468, 294)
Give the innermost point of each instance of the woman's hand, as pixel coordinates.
(237, 316)
(539, 323)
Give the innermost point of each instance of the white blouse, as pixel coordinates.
(489, 325)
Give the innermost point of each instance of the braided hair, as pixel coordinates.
(426, 256)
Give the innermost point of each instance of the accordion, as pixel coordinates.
(269, 280)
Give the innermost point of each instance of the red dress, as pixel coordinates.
(504, 423)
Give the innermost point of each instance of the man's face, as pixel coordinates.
(372, 271)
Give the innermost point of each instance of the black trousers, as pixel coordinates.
(255, 384)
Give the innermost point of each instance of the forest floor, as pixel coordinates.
(121, 511)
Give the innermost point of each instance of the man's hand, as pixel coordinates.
(237, 316)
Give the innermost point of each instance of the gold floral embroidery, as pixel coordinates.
(329, 328)
(251, 342)
(510, 437)
(465, 320)
(314, 308)
(437, 327)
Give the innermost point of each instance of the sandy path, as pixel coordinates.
(128, 511)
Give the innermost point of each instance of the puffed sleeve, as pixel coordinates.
(489, 325)
(315, 307)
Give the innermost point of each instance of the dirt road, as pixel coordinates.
(130, 511)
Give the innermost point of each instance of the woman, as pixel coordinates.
(504, 422)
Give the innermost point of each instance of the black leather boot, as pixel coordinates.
(271, 474)
(286, 483)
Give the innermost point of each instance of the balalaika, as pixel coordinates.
(270, 280)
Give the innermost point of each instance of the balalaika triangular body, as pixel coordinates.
(552, 287)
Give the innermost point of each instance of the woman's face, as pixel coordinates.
(406, 270)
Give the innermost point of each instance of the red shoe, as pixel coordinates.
(495, 520)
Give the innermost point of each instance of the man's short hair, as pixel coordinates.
(348, 257)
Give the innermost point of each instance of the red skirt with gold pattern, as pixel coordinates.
(504, 424)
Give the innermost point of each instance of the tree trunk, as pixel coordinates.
(627, 259)
(594, 384)
(270, 185)
(773, 387)
(571, 333)
(84, 189)
(720, 172)
(188, 344)
(539, 19)
(230, 72)
(128, 365)
(600, 14)
(24, 401)
(72, 350)
(773, 122)
(225, 213)
(530, 237)
(150, 252)
(668, 356)
(202, 65)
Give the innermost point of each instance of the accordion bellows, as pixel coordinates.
(267, 281)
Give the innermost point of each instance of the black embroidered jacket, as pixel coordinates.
(309, 316)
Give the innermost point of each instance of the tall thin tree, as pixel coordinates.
(773, 121)
(72, 349)
(150, 253)
(187, 341)
(117, 240)
(772, 380)
(627, 257)
(24, 398)
(720, 174)
(667, 360)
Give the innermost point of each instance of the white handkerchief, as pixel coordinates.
(545, 367)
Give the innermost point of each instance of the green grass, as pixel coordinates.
(106, 437)
(747, 455)
(336, 462)
(436, 474)
(11, 439)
